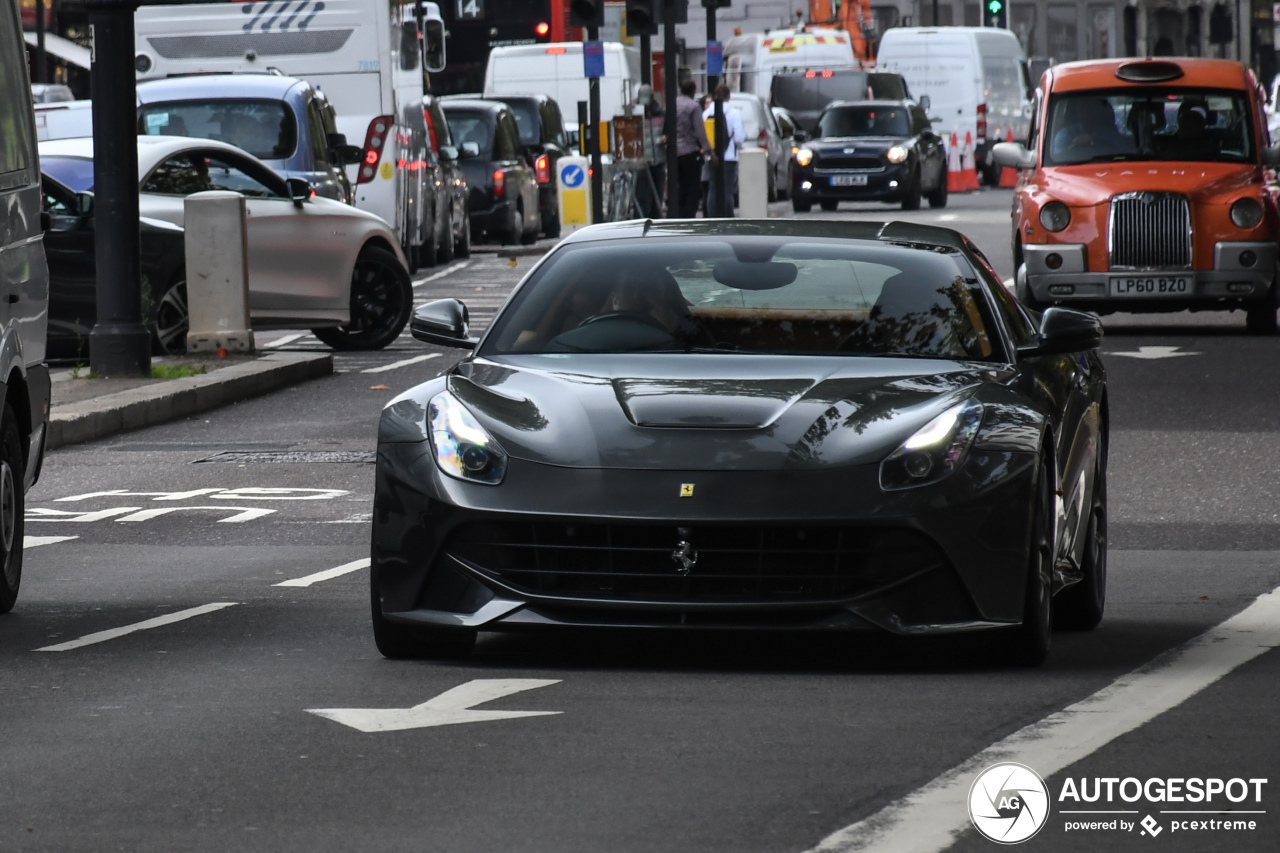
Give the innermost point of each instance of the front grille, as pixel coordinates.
(863, 163)
(734, 564)
(1150, 231)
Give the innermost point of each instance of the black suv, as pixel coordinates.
(542, 135)
(503, 191)
(870, 151)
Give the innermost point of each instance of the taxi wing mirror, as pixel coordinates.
(1013, 155)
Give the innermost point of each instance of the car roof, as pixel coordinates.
(471, 104)
(219, 86)
(520, 96)
(879, 103)
(895, 233)
(151, 149)
(1101, 73)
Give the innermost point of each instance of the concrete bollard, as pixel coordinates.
(217, 252)
(753, 183)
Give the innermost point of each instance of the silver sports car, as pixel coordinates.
(314, 263)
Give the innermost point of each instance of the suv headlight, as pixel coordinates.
(1246, 213)
(804, 156)
(897, 154)
(935, 450)
(463, 449)
(1055, 216)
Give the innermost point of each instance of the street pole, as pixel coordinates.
(711, 36)
(722, 143)
(597, 169)
(120, 343)
(669, 91)
(646, 61)
(935, 13)
(42, 71)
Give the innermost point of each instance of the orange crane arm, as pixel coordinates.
(850, 16)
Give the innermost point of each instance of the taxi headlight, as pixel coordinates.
(804, 156)
(1246, 213)
(1055, 216)
(935, 450)
(897, 154)
(462, 447)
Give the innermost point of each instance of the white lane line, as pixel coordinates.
(169, 619)
(931, 818)
(405, 363)
(327, 574)
(443, 273)
(948, 217)
(279, 342)
(29, 542)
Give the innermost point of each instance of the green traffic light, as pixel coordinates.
(995, 6)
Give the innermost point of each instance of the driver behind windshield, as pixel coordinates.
(1088, 132)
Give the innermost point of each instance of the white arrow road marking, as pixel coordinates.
(447, 709)
(169, 619)
(159, 496)
(242, 513)
(45, 514)
(408, 361)
(279, 342)
(327, 574)
(29, 542)
(443, 273)
(931, 818)
(1154, 352)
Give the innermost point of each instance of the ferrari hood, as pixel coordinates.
(1095, 183)
(733, 412)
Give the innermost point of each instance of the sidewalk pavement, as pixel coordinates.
(84, 409)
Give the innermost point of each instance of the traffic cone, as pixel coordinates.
(968, 171)
(955, 181)
(1009, 177)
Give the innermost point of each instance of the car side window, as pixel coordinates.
(15, 101)
(555, 122)
(507, 142)
(184, 174)
(319, 138)
(1034, 131)
(1020, 328)
(57, 203)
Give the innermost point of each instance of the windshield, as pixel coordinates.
(865, 121)
(813, 90)
(789, 295)
(266, 129)
(526, 114)
(75, 173)
(467, 127)
(1149, 124)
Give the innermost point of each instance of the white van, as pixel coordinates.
(556, 70)
(751, 60)
(367, 58)
(976, 80)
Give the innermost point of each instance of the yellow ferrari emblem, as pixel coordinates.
(686, 490)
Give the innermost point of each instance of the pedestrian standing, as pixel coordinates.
(691, 146)
(735, 135)
(703, 103)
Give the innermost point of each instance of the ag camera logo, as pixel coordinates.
(1008, 803)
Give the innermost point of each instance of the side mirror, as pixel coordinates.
(1066, 330)
(1012, 155)
(348, 154)
(442, 322)
(336, 140)
(299, 190)
(448, 153)
(924, 102)
(800, 136)
(469, 150)
(1271, 156)
(84, 203)
(46, 221)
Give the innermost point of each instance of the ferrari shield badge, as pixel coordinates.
(686, 490)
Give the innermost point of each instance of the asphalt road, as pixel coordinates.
(199, 733)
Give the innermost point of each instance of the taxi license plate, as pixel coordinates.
(848, 180)
(1151, 285)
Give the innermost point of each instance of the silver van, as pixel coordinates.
(24, 299)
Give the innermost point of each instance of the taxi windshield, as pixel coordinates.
(1204, 125)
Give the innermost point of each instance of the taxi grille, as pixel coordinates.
(734, 564)
(1150, 231)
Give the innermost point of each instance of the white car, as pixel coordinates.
(314, 263)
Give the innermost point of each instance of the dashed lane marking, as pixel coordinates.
(403, 363)
(327, 574)
(145, 625)
(279, 342)
(29, 542)
(931, 818)
(443, 273)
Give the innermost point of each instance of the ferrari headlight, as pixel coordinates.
(804, 156)
(935, 450)
(897, 154)
(1246, 213)
(1055, 216)
(463, 448)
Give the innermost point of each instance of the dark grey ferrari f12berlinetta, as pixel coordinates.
(748, 424)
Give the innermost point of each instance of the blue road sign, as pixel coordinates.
(572, 176)
(715, 58)
(593, 59)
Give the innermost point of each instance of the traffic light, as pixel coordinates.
(643, 17)
(586, 13)
(995, 13)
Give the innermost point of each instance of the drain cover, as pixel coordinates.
(258, 457)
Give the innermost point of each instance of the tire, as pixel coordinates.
(829, 205)
(172, 320)
(801, 206)
(445, 253)
(381, 302)
(991, 174)
(1079, 607)
(938, 198)
(912, 200)
(1023, 292)
(428, 252)
(12, 461)
(1028, 644)
(1260, 319)
(462, 248)
(551, 224)
(400, 642)
(411, 255)
(515, 230)
(773, 187)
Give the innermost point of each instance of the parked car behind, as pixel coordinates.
(542, 134)
(453, 176)
(1146, 189)
(64, 120)
(353, 292)
(503, 190)
(761, 128)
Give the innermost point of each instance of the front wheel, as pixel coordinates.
(829, 205)
(172, 319)
(938, 198)
(446, 242)
(1080, 606)
(1260, 319)
(801, 206)
(462, 246)
(1028, 644)
(381, 301)
(400, 642)
(11, 509)
(912, 200)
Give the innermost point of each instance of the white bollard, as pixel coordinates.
(753, 183)
(573, 189)
(217, 252)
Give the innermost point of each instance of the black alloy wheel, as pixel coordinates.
(801, 206)
(1080, 606)
(12, 461)
(446, 239)
(829, 204)
(938, 198)
(914, 193)
(381, 302)
(400, 642)
(172, 320)
(1028, 644)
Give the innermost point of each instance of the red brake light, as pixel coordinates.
(826, 73)
(499, 182)
(982, 122)
(543, 168)
(542, 29)
(556, 49)
(811, 74)
(763, 138)
(375, 137)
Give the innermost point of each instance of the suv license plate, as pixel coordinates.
(1151, 285)
(848, 180)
